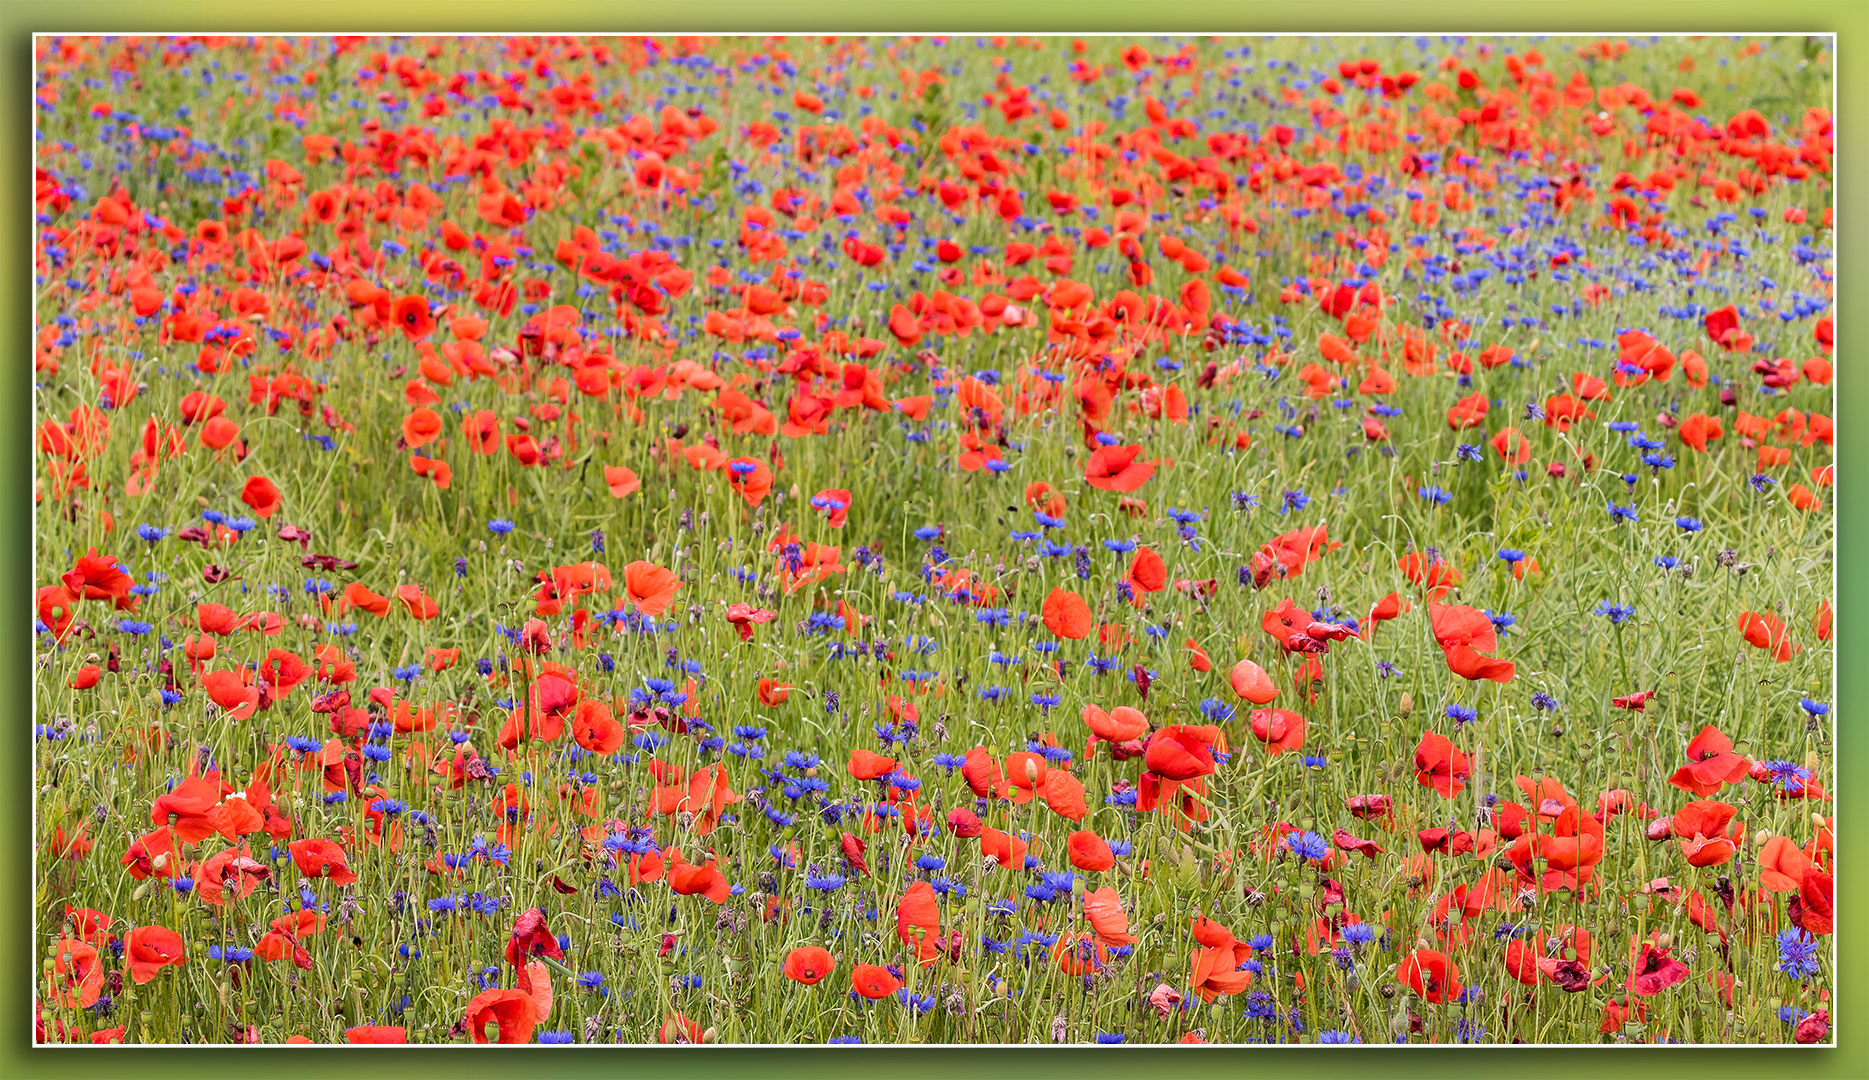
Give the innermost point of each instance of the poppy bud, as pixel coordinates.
(1031, 770)
(1407, 706)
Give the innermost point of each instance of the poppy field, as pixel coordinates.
(948, 540)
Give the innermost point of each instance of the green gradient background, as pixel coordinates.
(1849, 19)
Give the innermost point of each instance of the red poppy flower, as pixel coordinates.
(1431, 975)
(1147, 573)
(595, 729)
(650, 587)
(410, 315)
(1767, 631)
(1653, 971)
(918, 922)
(620, 481)
(261, 494)
(1067, 615)
(865, 765)
(1816, 899)
(1089, 852)
(983, 774)
(149, 949)
(873, 982)
(1439, 765)
(678, 1029)
(808, 964)
(512, 1011)
(321, 859)
(1251, 682)
(690, 880)
(1119, 725)
(1116, 468)
(76, 978)
(97, 577)
(1064, 794)
(1104, 911)
(1182, 751)
(1279, 729)
(375, 1035)
(1216, 971)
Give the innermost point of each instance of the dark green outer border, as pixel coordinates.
(1849, 19)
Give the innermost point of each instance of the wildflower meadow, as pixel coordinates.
(957, 540)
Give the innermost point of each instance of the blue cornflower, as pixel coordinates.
(1788, 775)
(1688, 524)
(1437, 496)
(1292, 501)
(1544, 702)
(1308, 845)
(1511, 555)
(1462, 714)
(1760, 482)
(1815, 708)
(1797, 955)
(1667, 562)
(500, 526)
(1615, 613)
(1337, 1038)
(1622, 513)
